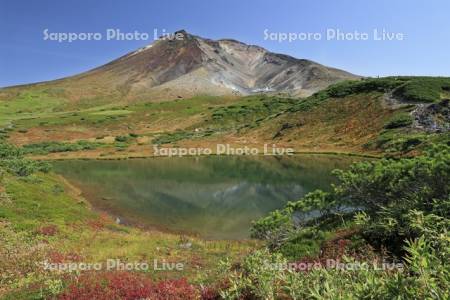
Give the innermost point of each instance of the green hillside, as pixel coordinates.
(394, 209)
(394, 115)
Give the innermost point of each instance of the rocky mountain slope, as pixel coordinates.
(190, 66)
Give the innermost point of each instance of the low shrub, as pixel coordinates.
(422, 89)
(121, 138)
(126, 286)
(19, 257)
(49, 230)
(399, 207)
(367, 85)
(265, 275)
(418, 89)
(401, 120)
(53, 147)
(12, 160)
(397, 143)
(168, 138)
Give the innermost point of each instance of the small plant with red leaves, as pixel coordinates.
(116, 285)
(211, 292)
(126, 286)
(175, 289)
(49, 230)
(58, 257)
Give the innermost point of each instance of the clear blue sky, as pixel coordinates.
(25, 56)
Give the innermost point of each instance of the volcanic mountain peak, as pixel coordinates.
(184, 65)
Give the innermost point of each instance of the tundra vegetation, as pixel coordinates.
(379, 212)
(44, 220)
(389, 211)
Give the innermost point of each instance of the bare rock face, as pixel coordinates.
(433, 117)
(174, 68)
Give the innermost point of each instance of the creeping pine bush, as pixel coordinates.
(423, 89)
(365, 86)
(12, 160)
(398, 121)
(121, 138)
(386, 190)
(400, 205)
(53, 147)
(424, 276)
(417, 89)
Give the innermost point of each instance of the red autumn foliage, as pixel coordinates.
(175, 289)
(127, 286)
(96, 224)
(49, 230)
(342, 246)
(73, 257)
(209, 293)
(100, 222)
(212, 292)
(58, 257)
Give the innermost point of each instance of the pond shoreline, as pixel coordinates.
(295, 153)
(139, 193)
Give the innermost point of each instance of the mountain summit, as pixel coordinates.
(191, 65)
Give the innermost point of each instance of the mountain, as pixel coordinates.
(191, 65)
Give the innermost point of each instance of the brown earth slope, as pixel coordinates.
(190, 66)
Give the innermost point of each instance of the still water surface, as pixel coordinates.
(214, 197)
